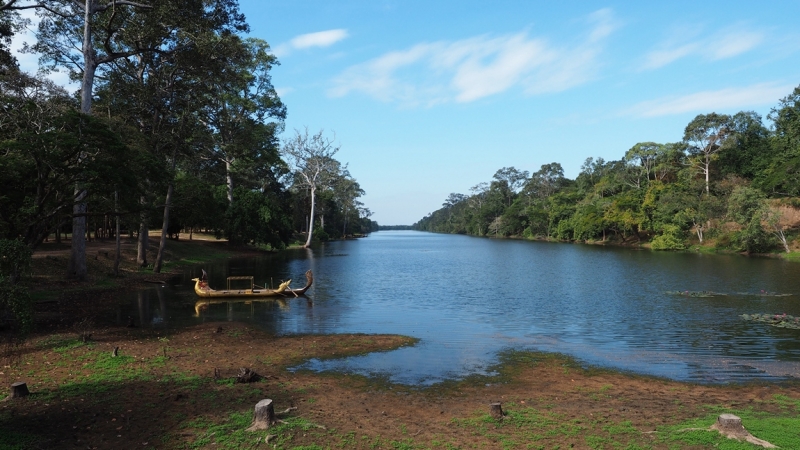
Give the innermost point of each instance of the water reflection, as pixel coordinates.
(467, 299)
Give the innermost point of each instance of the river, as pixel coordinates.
(468, 299)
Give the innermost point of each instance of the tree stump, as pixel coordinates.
(19, 390)
(246, 375)
(264, 416)
(496, 411)
(730, 424)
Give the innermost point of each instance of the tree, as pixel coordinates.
(512, 179)
(782, 176)
(16, 257)
(243, 111)
(747, 207)
(47, 147)
(10, 23)
(346, 192)
(68, 33)
(546, 181)
(705, 136)
(747, 151)
(164, 92)
(310, 158)
(642, 159)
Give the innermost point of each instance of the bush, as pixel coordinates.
(670, 239)
(14, 299)
(321, 235)
(15, 258)
(753, 238)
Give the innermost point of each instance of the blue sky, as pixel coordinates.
(426, 98)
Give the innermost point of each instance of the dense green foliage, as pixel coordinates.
(183, 134)
(15, 303)
(724, 181)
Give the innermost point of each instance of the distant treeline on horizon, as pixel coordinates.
(732, 182)
(395, 227)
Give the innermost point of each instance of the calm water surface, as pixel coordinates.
(467, 299)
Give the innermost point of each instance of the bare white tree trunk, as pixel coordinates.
(311, 218)
(77, 257)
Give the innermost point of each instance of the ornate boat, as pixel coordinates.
(202, 289)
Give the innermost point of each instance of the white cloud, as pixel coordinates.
(707, 101)
(726, 44)
(283, 91)
(733, 43)
(309, 40)
(477, 67)
(319, 39)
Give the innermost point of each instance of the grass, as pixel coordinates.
(782, 430)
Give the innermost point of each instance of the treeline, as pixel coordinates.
(175, 126)
(733, 180)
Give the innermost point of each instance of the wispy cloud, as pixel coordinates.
(304, 41)
(728, 43)
(708, 101)
(477, 67)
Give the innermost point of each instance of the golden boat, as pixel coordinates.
(202, 289)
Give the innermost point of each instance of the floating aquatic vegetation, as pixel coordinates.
(763, 294)
(696, 293)
(776, 320)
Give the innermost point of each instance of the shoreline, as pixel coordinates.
(161, 391)
(177, 389)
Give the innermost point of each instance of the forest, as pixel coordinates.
(732, 183)
(176, 126)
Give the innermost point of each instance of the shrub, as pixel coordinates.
(671, 238)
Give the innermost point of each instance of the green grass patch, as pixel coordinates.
(780, 430)
(231, 434)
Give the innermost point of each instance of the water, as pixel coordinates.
(467, 299)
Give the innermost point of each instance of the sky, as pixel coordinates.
(428, 98)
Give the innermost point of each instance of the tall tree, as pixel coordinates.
(163, 92)
(705, 135)
(244, 112)
(82, 35)
(642, 159)
(310, 158)
(48, 146)
(782, 176)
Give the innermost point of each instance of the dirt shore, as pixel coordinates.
(176, 389)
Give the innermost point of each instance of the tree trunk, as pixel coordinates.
(116, 234)
(19, 390)
(77, 258)
(264, 416)
(163, 244)
(76, 268)
(229, 181)
(496, 410)
(311, 219)
(141, 247)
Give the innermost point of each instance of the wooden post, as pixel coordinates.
(19, 389)
(264, 416)
(496, 411)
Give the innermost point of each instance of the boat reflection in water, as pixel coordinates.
(203, 304)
